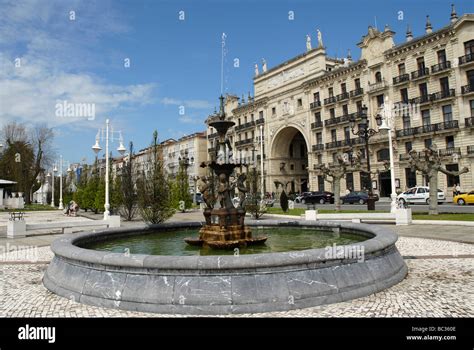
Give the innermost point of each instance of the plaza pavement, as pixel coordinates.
(440, 281)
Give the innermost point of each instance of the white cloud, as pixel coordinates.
(196, 104)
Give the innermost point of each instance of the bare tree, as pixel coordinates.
(428, 162)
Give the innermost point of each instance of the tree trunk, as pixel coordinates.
(433, 179)
(336, 188)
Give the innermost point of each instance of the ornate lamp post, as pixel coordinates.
(96, 148)
(53, 171)
(366, 133)
(61, 206)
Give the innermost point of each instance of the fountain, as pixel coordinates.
(225, 227)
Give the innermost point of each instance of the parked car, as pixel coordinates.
(318, 197)
(199, 199)
(357, 197)
(299, 197)
(464, 198)
(419, 194)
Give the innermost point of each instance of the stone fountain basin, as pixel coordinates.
(214, 285)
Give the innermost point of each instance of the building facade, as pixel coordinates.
(303, 108)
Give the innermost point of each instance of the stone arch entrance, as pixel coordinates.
(289, 161)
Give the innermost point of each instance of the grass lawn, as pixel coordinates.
(416, 216)
(31, 207)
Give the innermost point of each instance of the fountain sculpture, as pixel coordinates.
(224, 227)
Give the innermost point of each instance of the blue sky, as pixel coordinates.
(173, 62)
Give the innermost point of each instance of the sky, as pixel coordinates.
(156, 64)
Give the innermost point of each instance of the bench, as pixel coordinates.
(400, 217)
(19, 228)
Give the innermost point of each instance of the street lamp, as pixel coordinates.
(53, 171)
(96, 148)
(61, 182)
(387, 124)
(262, 183)
(366, 133)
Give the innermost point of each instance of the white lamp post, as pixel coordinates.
(96, 148)
(387, 124)
(55, 169)
(61, 206)
(261, 163)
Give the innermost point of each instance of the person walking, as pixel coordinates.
(458, 189)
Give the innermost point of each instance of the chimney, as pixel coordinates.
(454, 16)
(428, 27)
(409, 35)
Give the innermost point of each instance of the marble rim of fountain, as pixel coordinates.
(216, 285)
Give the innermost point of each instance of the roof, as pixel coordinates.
(6, 182)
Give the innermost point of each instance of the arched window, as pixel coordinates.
(378, 77)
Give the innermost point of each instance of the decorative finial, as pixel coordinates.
(409, 35)
(248, 96)
(243, 99)
(428, 27)
(454, 16)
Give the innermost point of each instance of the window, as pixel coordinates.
(347, 133)
(274, 110)
(469, 47)
(410, 177)
(425, 117)
(470, 79)
(292, 167)
(332, 113)
(404, 95)
(334, 157)
(350, 181)
(345, 110)
(423, 89)
(299, 103)
(383, 154)
(320, 159)
(401, 69)
(441, 56)
(449, 141)
(320, 183)
(420, 62)
(319, 138)
(239, 121)
(245, 120)
(316, 96)
(408, 146)
(444, 83)
(447, 113)
(333, 135)
(343, 88)
(380, 100)
(378, 77)
(253, 135)
(452, 180)
(260, 114)
(428, 143)
(359, 106)
(252, 117)
(357, 83)
(246, 136)
(471, 104)
(331, 92)
(317, 116)
(406, 121)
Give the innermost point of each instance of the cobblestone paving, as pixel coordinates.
(433, 288)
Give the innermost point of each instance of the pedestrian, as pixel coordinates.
(458, 189)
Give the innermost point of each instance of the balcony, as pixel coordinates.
(244, 142)
(317, 148)
(448, 152)
(469, 122)
(420, 73)
(334, 144)
(469, 58)
(421, 99)
(440, 67)
(427, 128)
(441, 95)
(470, 150)
(330, 100)
(342, 97)
(407, 132)
(467, 89)
(317, 124)
(315, 104)
(356, 93)
(377, 86)
(338, 120)
(244, 126)
(403, 78)
(260, 121)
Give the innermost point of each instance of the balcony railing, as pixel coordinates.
(318, 147)
(317, 124)
(334, 144)
(449, 151)
(342, 97)
(467, 89)
(342, 119)
(379, 85)
(442, 66)
(315, 104)
(469, 122)
(244, 126)
(243, 142)
(421, 99)
(260, 121)
(407, 132)
(466, 58)
(470, 150)
(357, 92)
(443, 94)
(330, 100)
(420, 73)
(401, 79)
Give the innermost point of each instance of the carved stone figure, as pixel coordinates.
(308, 42)
(204, 187)
(264, 65)
(256, 69)
(320, 39)
(242, 189)
(223, 192)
